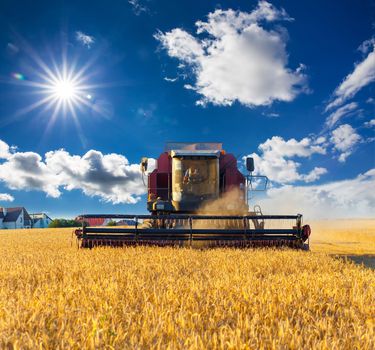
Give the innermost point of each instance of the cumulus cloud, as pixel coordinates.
(353, 198)
(320, 140)
(236, 56)
(108, 176)
(362, 75)
(26, 170)
(4, 150)
(5, 197)
(370, 123)
(344, 139)
(341, 112)
(85, 39)
(275, 160)
(314, 174)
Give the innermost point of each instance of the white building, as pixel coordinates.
(40, 220)
(15, 218)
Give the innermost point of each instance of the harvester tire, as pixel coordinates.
(306, 232)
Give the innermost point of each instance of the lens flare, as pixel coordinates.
(18, 76)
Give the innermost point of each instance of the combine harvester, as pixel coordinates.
(198, 197)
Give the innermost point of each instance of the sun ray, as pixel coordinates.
(20, 113)
(33, 106)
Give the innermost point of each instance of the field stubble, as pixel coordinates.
(55, 296)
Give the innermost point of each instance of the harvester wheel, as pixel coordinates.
(306, 232)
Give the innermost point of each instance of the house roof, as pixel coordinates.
(93, 221)
(37, 216)
(14, 213)
(26, 215)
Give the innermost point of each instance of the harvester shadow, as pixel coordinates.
(366, 260)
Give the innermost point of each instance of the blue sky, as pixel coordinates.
(291, 83)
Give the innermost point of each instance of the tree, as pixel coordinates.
(64, 223)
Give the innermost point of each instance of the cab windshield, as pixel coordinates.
(195, 178)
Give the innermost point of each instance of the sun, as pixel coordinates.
(60, 92)
(61, 88)
(65, 90)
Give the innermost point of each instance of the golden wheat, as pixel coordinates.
(55, 296)
(344, 236)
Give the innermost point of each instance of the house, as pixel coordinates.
(40, 220)
(17, 217)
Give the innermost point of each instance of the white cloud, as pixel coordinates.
(182, 45)
(5, 197)
(238, 58)
(4, 150)
(320, 140)
(367, 45)
(26, 170)
(275, 160)
(84, 39)
(138, 6)
(346, 198)
(362, 75)
(370, 123)
(344, 138)
(108, 176)
(147, 112)
(170, 80)
(314, 174)
(334, 117)
(271, 115)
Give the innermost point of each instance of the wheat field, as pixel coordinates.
(53, 296)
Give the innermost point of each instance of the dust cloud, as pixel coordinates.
(230, 203)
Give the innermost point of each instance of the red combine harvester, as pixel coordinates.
(196, 193)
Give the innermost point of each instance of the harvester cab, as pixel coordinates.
(190, 176)
(196, 193)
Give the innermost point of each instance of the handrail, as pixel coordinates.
(188, 216)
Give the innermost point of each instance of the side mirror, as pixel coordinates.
(144, 164)
(250, 164)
